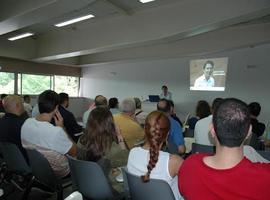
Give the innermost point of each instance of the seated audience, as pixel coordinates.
(149, 161)
(130, 128)
(2, 110)
(173, 113)
(114, 105)
(202, 128)
(258, 128)
(70, 123)
(227, 174)
(27, 106)
(102, 142)
(99, 101)
(11, 123)
(175, 135)
(139, 113)
(35, 111)
(52, 141)
(202, 111)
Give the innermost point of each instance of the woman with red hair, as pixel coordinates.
(149, 161)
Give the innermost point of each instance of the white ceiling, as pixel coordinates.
(127, 29)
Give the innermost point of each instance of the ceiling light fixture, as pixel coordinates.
(146, 1)
(20, 36)
(72, 21)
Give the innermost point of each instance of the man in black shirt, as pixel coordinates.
(11, 123)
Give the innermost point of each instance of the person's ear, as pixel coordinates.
(212, 130)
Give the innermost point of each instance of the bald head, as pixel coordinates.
(101, 101)
(13, 104)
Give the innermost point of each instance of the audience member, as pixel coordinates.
(139, 113)
(202, 111)
(149, 161)
(173, 113)
(165, 93)
(227, 174)
(202, 128)
(114, 105)
(258, 128)
(175, 134)
(70, 123)
(2, 110)
(27, 106)
(35, 111)
(99, 101)
(102, 142)
(130, 128)
(52, 141)
(11, 123)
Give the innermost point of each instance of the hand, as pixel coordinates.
(118, 133)
(92, 106)
(59, 121)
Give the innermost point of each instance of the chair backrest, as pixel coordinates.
(200, 148)
(265, 154)
(14, 159)
(155, 189)
(89, 179)
(42, 170)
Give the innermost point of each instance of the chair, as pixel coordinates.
(265, 154)
(16, 165)
(155, 189)
(44, 174)
(200, 148)
(89, 179)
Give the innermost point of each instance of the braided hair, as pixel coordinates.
(157, 126)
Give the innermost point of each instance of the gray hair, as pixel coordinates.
(128, 105)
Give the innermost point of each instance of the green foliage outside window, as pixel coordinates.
(35, 84)
(6, 83)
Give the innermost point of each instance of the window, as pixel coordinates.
(67, 84)
(34, 84)
(7, 83)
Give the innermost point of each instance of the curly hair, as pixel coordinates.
(157, 126)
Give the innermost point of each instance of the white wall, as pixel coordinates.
(143, 78)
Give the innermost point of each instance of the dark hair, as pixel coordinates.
(25, 97)
(166, 108)
(138, 103)
(164, 87)
(113, 102)
(171, 103)
(3, 96)
(101, 100)
(210, 62)
(231, 122)
(63, 97)
(47, 101)
(254, 109)
(203, 109)
(216, 103)
(100, 133)
(157, 126)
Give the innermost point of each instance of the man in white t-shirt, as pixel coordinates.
(27, 106)
(52, 141)
(202, 128)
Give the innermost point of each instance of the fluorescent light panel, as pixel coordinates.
(72, 21)
(20, 36)
(146, 1)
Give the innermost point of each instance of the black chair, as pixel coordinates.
(200, 148)
(155, 189)
(265, 154)
(15, 169)
(89, 179)
(44, 174)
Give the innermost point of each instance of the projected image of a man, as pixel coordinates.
(206, 80)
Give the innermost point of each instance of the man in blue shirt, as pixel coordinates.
(175, 135)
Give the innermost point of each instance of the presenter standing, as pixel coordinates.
(206, 80)
(165, 93)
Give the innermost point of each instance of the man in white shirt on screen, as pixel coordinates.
(206, 80)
